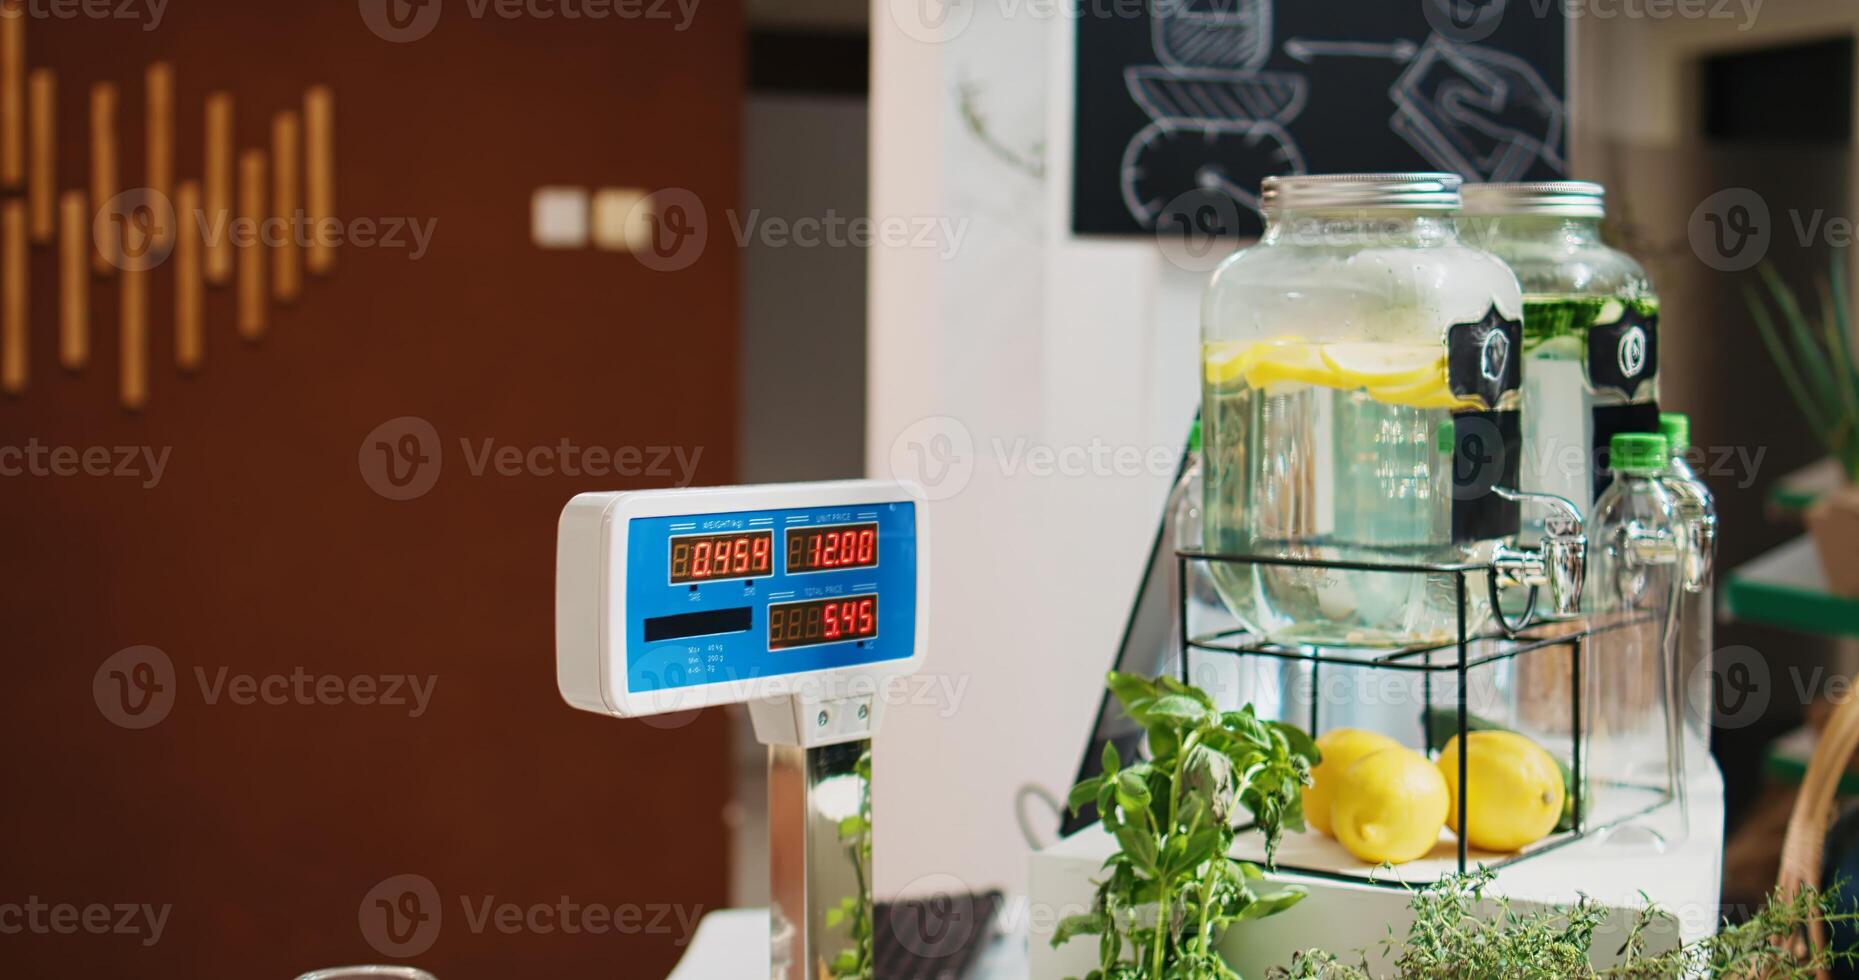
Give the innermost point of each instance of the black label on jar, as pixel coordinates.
(1624, 354)
(1484, 359)
(1487, 452)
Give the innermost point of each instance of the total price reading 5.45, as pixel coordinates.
(800, 624)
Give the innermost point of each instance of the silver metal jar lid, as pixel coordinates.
(1403, 192)
(1553, 198)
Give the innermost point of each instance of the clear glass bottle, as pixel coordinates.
(1334, 352)
(1696, 616)
(1590, 328)
(1634, 757)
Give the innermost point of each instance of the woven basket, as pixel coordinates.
(1813, 811)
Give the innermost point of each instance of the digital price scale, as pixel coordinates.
(799, 600)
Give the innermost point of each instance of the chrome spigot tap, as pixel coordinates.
(1559, 563)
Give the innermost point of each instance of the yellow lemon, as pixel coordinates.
(1340, 748)
(1371, 365)
(1390, 806)
(1514, 790)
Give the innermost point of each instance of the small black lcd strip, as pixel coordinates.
(699, 624)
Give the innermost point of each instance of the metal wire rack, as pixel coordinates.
(1527, 647)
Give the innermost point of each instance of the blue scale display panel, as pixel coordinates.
(751, 594)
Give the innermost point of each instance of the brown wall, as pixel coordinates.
(263, 549)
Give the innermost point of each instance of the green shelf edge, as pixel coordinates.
(1792, 500)
(1776, 605)
(1790, 770)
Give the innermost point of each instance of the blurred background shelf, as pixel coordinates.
(1793, 494)
(1784, 587)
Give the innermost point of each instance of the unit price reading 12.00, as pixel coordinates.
(821, 549)
(805, 624)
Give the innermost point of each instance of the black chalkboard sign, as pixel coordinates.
(1183, 103)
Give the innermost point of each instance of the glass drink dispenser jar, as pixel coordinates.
(1590, 331)
(1350, 359)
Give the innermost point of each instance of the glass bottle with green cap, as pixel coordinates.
(1698, 513)
(1695, 503)
(1635, 574)
(1637, 527)
(1590, 330)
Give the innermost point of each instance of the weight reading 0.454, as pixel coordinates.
(801, 624)
(710, 557)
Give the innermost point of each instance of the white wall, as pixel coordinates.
(1022, 339)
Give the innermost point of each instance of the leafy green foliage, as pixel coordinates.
(1815, 357)
(1451, 940)
(855, 961)
(1170, 888)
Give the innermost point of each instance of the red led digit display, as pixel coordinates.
(823, 549)
(805, 624)
(714, 557)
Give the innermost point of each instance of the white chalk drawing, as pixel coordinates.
(1219, 121)
(1165, 161)
(1189, 34)
(1307, 51)
(1478, 112)
(1216, 121)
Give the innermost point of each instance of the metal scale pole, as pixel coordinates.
(819, 834)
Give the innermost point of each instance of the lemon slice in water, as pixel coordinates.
(1225, 363)
(1369, 365)
(1271, 364)
(1430, 392)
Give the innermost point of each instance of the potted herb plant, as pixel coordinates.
(1815, 357)
(1170, 889)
